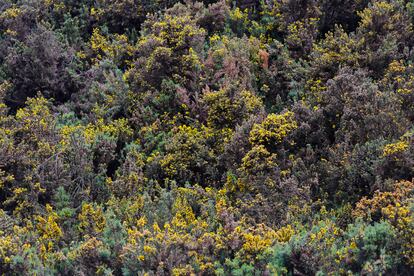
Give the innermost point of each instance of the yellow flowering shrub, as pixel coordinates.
(91, 219)
(48, 227)
(115, 47)
(285, 233)
(12, 12)
(273, 129)
(36, 115)
(29, 137)
(301, 34)
(379, 8)
(257, 243)
(227, 110)
(315, 88)
(398, 151)
(402, 218)
(184, 215)
(239, 20)
(395, 148)
(337, 48)
(258, 159)
(176, 31)
(187, 153)
(402, 191)
(395, 207)
(116, 129)
(49, 231)
(399, 78)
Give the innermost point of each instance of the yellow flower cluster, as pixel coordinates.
(238, 14)
(35, 115)
(91, 219)
(395, 148)
(284, 234)
(115, 47)
(91, 132)
(273, 129)
(379, 7)
(176, 30)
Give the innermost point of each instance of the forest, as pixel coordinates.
(245, 137)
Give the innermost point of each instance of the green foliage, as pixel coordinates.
(206, 138)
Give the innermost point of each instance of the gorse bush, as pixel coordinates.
(206, 138)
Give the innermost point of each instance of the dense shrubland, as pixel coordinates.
(217, 137)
